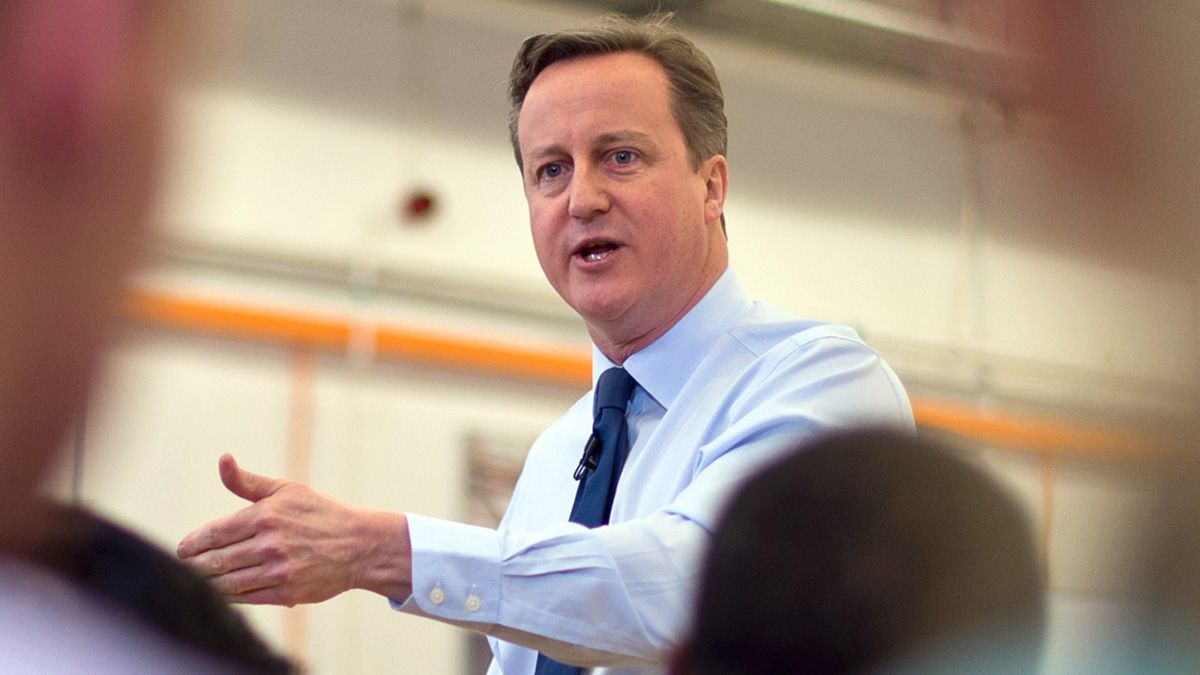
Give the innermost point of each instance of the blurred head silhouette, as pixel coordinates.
(870, 551)
(1118, 78)
(81, 119)
(83, 88)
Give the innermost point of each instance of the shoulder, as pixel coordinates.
(765, 332)
(101, 564)
(815, 366)
(49, 624)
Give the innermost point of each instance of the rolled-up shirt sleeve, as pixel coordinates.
(621, 590)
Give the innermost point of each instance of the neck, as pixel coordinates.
(617, 352)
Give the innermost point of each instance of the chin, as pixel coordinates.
(599, 309)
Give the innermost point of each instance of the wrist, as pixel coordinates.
(385, 567)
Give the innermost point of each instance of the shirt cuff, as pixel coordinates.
(455, 571)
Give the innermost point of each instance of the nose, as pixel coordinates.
(589, 194)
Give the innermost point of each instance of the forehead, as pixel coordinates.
(592, 95)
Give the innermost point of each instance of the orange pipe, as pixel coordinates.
(573, 368)
(1029, 433)
(470, 354)
(216, 317)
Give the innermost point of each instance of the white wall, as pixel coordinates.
(308, 120)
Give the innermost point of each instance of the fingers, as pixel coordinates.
(218, 534)
(215, 562)
(249, 486)
(258, 585)
(250, 572)
(247, 580)
(266, 596)
(264, 570)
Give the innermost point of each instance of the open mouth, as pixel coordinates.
(595, 252)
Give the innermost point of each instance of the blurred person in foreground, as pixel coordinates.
(868, 552)
(619, 133)
(82, 93)
(1119, 80)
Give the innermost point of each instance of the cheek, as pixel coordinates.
(545, 243)
(539, 227)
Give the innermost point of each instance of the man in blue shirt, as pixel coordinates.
(619, 132)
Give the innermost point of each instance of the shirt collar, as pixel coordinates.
(664, 366)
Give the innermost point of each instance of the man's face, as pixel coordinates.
(625, 229)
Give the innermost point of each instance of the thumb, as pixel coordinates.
(247, 485)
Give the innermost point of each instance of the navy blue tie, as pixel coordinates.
(598, 470)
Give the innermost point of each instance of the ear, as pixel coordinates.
(715, 172)
(65, 70)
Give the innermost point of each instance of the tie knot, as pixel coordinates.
(613, 389)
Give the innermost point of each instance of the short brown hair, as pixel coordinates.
(869, 547)
(696, 99)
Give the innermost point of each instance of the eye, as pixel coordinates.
(624, 156)
(550, 171)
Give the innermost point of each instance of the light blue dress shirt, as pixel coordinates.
(725, 390)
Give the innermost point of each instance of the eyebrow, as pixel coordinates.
(622, 136)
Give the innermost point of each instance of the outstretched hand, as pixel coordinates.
(295, 545)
